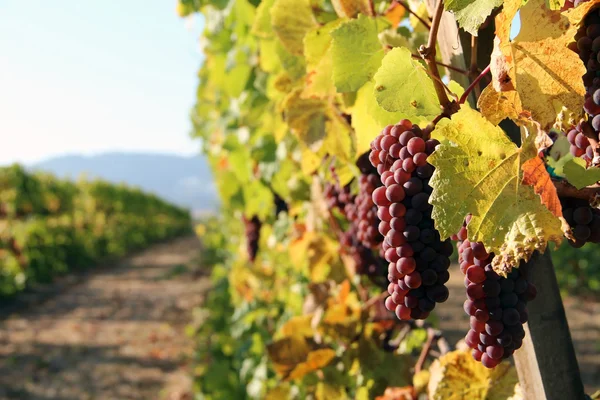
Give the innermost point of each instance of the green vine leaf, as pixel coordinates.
(402, 84)
(292, 19)
(576, 173)
(470, 14)
(479, 173)
(357, 52)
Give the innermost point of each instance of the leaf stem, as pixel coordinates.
(417, 16)
(473, 84)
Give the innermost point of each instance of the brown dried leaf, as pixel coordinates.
(536, 175)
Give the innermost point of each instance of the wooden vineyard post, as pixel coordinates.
(546, 363)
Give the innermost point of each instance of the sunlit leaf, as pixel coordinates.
(457, 375)
(357, 52)
(576, 173)
(292, 19)
(480, 174)
(470, 14)
(403, 85)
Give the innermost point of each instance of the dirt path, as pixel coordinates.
(583, 318)
(120, 334)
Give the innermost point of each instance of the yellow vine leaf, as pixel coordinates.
(291, 20)
(295, 356)
(496, 106)
(457, 376)
(351, 8)
(545, 73)
(395, 14)
(306, 118)
(299, 325)
(479, 173)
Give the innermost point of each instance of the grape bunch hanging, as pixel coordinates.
(418, 258)
(497, 306)
(362, 239)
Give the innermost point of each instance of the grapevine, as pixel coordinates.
(382, 140)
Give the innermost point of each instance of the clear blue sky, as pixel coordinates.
(87, 76)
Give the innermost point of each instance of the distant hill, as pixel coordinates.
(185, 181)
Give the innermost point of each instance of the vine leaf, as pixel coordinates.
(536, 175)
(368, 118)
(479, 173)
(357, 52)
(295, 356)
(350, 8)
(538, 64)
(576, 173)
(261, 26)
(457, 375)
(496, 106)
(402, 84)
(470, 14)
(291, 20)
(395, 14)
(319, 62)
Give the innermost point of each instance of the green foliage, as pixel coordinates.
(49, 226)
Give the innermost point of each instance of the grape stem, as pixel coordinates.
(431, 335)
(374, 300)
(428, 55)
(565, 189)
(404, 4)
(473, 84)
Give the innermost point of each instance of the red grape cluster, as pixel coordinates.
(364, 213)
(497, 306)
(252, 236)
(418, 259)
(580, 144)
(339, 197)
(583, 219)
(588, 48)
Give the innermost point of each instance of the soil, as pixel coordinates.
(583, 317)
(120, 333)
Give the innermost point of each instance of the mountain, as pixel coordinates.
(185, 181)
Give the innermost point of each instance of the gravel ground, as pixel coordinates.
(118, 334)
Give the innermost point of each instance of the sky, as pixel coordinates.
(89, 76)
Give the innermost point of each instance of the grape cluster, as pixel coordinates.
(280, 204)
(364, 213)
(252, 236)
(580, 144)
(583, 219)
(418, 259)
(339, 197)
(497, 306)
(366, 260)
(588, 48)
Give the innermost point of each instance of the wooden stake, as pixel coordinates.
(546, 363)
